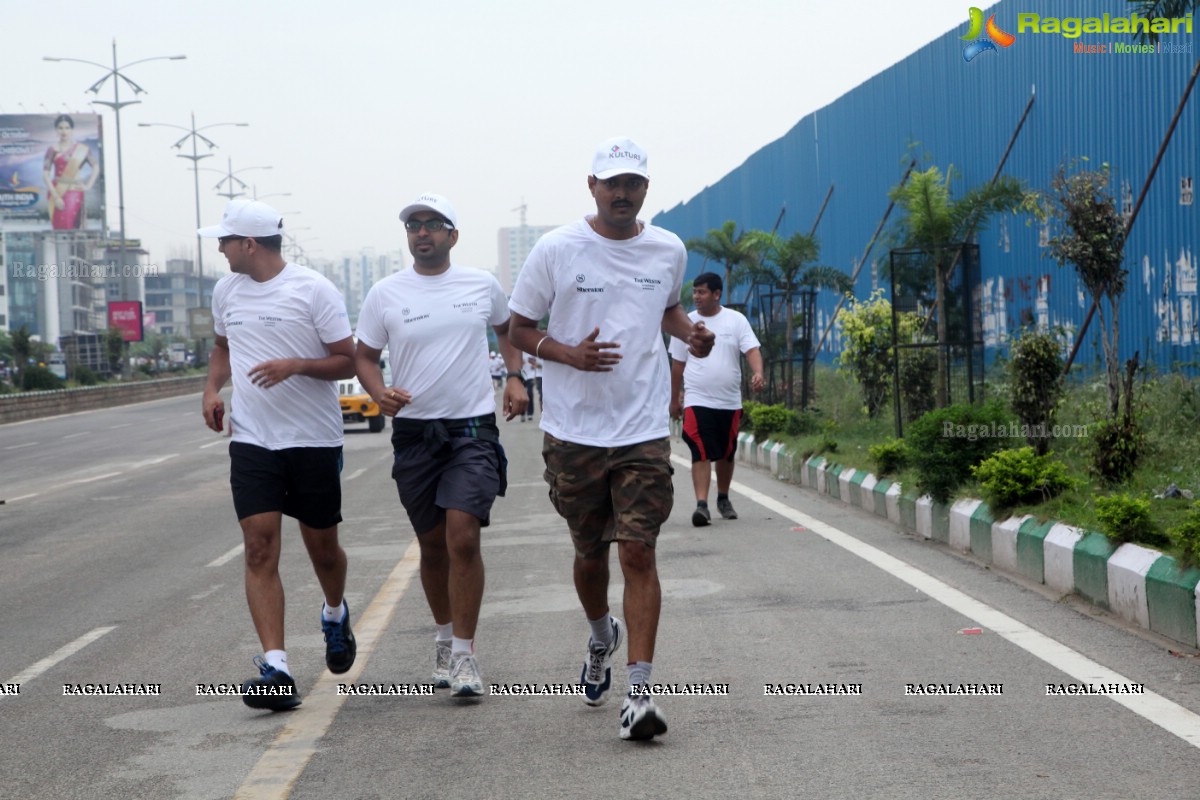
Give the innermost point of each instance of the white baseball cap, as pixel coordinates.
(248, 218)
(619, 156)
(430, 202)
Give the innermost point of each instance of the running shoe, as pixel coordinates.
(701, 517)
(640, 717)
(726, 508)
(340, 647)
(273, 689)
(597, 667)
(441, 664)
(464, 678)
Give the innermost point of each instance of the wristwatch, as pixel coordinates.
(516, 375)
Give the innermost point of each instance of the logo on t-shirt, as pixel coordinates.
(648, 284)
(580, 278)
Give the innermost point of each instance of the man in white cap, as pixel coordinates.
(448, 464)
(611, 286)
(282, 334)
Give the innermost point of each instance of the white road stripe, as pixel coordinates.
(355, 474)
(21, 497)
(213, 444)
(122, 425)
(93, 478)
(66, 651)
(281, 765)
(1155, 708)
(76, 435)
(230, 556)
(19, 446)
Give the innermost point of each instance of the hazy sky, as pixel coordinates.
(360, 106)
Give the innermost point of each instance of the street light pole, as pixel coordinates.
(116, 105)
(231, 177)
(194, 134)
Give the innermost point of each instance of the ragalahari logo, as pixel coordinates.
(994, 37)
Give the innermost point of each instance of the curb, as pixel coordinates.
(1138, 584)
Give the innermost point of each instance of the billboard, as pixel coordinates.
(126, 316)
(51, 172)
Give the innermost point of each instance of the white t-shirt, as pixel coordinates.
(496, 365)
(716, 380)
(623, 286)
(293, 315)
(435, 330)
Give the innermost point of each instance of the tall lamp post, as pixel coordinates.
(236, 186)
(194, 134)
(116, 105)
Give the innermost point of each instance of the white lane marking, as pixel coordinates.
(21, 497)
(93, 478)
(227, 557)
(355, 474)
(122, 425)
(1153, 707)
(19, 446)
(206, 592)
(281, 765)
(66, 651)
(76, 435)
(213, 444)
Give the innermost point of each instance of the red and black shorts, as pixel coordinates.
(711, 433)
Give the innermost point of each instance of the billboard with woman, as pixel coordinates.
(51, 174)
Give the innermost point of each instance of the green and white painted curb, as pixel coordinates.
(1136, 583)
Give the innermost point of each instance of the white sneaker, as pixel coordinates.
(464, 678)
(441, 664)
(597, 667)
(640, 717)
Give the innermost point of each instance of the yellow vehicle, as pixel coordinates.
(357, 406)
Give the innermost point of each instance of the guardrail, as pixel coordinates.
(33, 405)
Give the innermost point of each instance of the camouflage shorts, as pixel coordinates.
(608, 493)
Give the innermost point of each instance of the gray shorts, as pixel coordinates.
(467, 480)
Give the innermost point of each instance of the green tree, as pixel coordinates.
(725, 245)
(1161, 8)
(1091, 238)
(788, 264)
(114, 348)
(937, 224)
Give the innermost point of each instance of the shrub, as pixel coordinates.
(86, 377)
(1010, 477)
(769, 419)
(918, 378)
(802, 423)
(889, 456)
(1187, 537)
(36, 379)
(1126, 519)
(944, 444)
(1117, 446)
(827, 443)
(1036, 376)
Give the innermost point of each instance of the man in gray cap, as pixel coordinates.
(448, 464)
(282, 334)
(611, 285)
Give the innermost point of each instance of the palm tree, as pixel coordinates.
(1161, 8)
(787, 263)
(725, 245)
(937, 225)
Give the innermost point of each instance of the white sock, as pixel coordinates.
(639, 673)
(333, 614)
(461, 647)
(602, 630)
(278, 660)
(444, 632)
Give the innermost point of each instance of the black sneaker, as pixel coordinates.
(726, 508)
(701, 517)
(340, 648)
(273, 689)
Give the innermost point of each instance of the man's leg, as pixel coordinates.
(591, 584)
(328, 560)
(724, 476)
(702, 479)
(643, 598)
(264, 589)
(466, 575)
(435, 572)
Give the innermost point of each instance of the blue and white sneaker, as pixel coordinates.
(640, 717)
(441, 663)
(465, 680)
(597, 667)
(340, 647)
(273, 689)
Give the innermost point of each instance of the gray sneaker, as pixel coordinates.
(701, 517)
(726, 508)
(441, 664)
(464, 678)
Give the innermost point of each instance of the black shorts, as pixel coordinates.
(468, 479)
(711, 433)
(301, 482)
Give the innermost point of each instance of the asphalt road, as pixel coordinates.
(119, 565)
